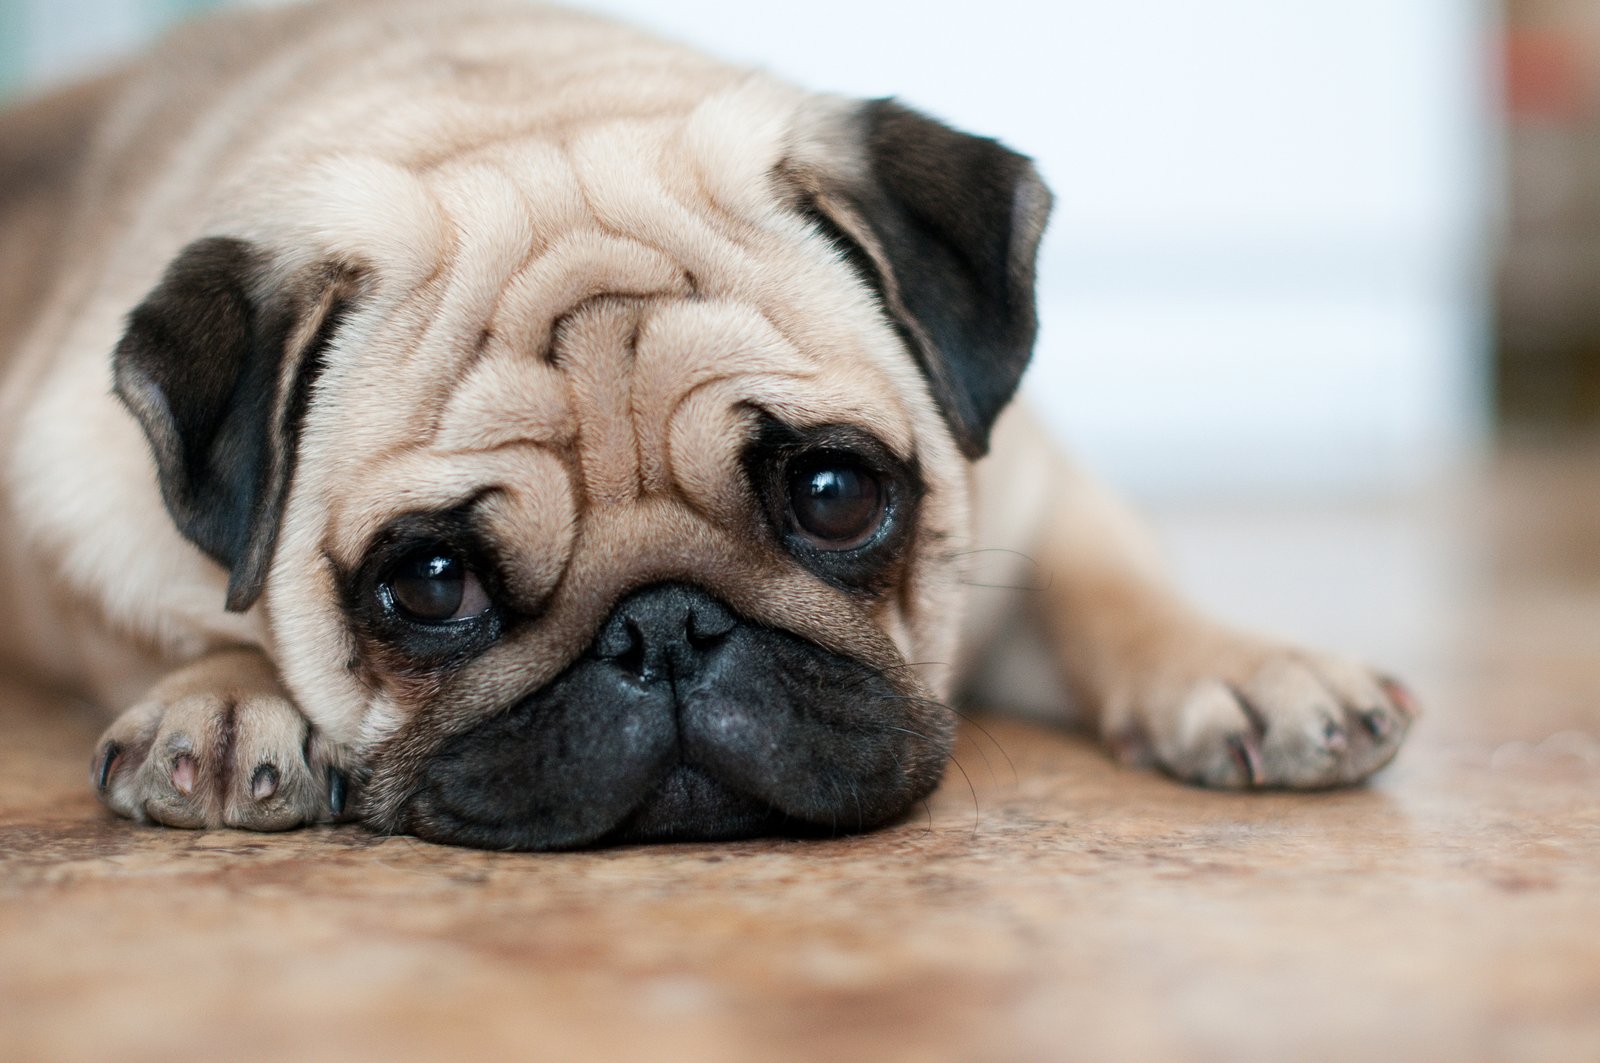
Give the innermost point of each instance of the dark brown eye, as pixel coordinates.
(837, 504)
(433, 585)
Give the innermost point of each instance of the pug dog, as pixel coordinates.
(501, 426)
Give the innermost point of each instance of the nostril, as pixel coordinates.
(709, 623)
(662, 631)
(623, 644)
(631, 658)
(702, 641)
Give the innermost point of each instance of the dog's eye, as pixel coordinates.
(836, 503)
(435, 585)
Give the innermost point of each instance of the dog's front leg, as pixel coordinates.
(1168, 685)
(219, 744)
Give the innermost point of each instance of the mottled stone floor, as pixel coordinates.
(1059, 907)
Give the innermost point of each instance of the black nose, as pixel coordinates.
(664, 632)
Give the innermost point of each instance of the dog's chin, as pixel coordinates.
(686, 805)
(671, 796)
(689, 805)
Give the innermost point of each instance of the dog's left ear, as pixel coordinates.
(217, 364)
(946, 226)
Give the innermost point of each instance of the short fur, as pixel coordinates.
(326, 272)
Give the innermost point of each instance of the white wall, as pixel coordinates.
(1266, 266)
(1265, 270)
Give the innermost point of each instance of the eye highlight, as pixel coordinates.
(837, 499)
(434, 584)
(835, 502)
(429, 594)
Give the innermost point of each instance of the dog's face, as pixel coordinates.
(617, 491)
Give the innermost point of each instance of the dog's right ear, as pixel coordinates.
(218, 364)
(945, 226)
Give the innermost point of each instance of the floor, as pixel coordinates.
(1049, 905)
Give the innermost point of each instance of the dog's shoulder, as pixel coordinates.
(44, 143)
(44, 138)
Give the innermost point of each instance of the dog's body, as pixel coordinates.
(678, 376)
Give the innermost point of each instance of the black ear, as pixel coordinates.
(947, 226)
(218, 371)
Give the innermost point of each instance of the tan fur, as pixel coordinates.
(578, 281)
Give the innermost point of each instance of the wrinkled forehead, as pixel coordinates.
(604, 320)
(632, 397)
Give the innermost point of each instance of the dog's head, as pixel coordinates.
(611, 490)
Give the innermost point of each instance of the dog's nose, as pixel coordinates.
(664, 632)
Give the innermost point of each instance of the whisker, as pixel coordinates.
(974, 790)
(883, 672)
(931, 703)
(916, 734)
(986, 733)
(935, 703)
(959, 767)
(1034, 589)
(1029, 558)
(987, 763)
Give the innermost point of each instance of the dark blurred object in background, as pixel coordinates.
(1549, 283)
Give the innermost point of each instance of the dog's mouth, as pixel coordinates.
(684, 723)
(690, 805)
(685, 804)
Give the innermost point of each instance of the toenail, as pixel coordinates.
(1377, 723)
(183, 773)
(1245, 755)
(1130, 745)
(264, 783)
(336, 789)
(1333, 737)
(1401, 697)
(108, 761)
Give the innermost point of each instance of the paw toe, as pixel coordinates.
(1305, 737)
(275, 784)
(1291, 720)
(1217, 742)
(214, 761)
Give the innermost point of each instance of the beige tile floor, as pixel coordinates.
(1059, 908)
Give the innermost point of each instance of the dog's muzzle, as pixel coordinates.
(685, 722)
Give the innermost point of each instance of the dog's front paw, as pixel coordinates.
(1254, 717)
(218, 745)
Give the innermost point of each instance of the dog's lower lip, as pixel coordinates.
(689, 804)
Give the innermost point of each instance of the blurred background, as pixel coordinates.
(1328, 248)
